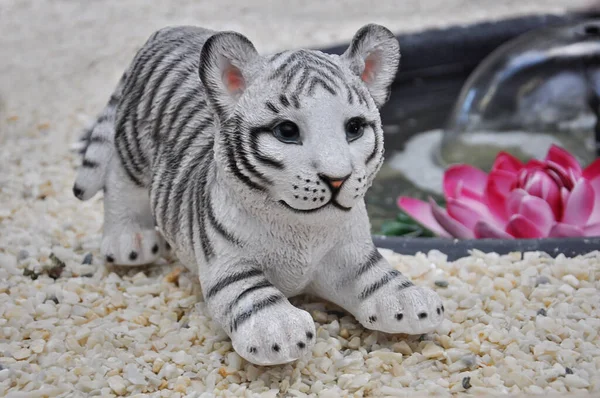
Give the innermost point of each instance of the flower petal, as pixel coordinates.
(463, 213)
(513, 202)
(560, 156)
(520, 227)
(592, 171)
(421, 212)
(455, 228)
(504, 180)
(507, 162)
(592, 174)
(580, 204)
(592, 230)
(464, 175)
(539, 212)
(496, 201)
(484, 230)
(561, 230)
(543, 186)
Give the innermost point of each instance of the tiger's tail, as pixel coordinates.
(97, 147)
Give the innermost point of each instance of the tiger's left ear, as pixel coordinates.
(374, 55)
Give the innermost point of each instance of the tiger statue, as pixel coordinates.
(254, 169)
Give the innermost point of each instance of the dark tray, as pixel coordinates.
(434, 65)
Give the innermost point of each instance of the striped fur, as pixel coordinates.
(254, 169)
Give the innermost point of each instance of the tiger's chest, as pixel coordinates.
(290, 264)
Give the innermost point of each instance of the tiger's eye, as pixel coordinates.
(287, 132)
(355, 128)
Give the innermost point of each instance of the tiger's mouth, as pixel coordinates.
(332, 202)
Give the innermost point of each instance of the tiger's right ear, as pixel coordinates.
(224, 69)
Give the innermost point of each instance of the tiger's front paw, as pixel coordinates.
(275, 335)
(403, 309)
(132, 247)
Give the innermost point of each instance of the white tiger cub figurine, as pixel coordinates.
(254, 169)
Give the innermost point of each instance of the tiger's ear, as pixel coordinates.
(225, 61)
(374, 55)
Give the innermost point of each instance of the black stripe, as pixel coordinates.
(231, 159)
(374, 257)
(175, 191)
(302, 82)
(296, 101)
(328, 79)
(140, 81)
(190, 214)
(405, 284)
(231, 279)
(176, 144)
(216, 224)
(328, 63)
(149, 100)
(272, 107)
(207, 249)
(246, 161)
(318, 81)
(233, 167)
(276, 56)
(282, 68)
(89, 164)
(284, 101)
(379, 284)
(291, 75)
(266, 160)
(260, 285)
(244, 316)
(350, 97)
(126, 166)
(181, 104)
(202, 206)
(361, 97)
(236, 137)
(375, 144)
(166, 99)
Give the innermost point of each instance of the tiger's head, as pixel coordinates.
(301, 127)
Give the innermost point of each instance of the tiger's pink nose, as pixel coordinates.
(335, 183)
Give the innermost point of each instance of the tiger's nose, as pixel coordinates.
(335, 183)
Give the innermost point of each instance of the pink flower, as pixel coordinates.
(553, 197)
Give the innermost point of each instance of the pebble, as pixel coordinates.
(133, 375)
(441, 283)
(87, 259)
(575, 381)
(432, 350)
(117, 384)
(23, 254)
(466, 382)
(542, 280)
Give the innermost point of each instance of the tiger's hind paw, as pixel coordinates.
(133, 248)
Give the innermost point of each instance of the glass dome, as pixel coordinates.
(538, 89)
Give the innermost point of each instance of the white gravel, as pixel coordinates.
(514, 325)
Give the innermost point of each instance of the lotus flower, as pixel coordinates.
(553, 197)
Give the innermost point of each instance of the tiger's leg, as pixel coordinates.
(129, 236)
(357, 278)
(264, 327)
